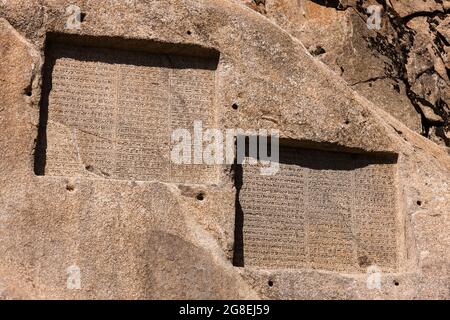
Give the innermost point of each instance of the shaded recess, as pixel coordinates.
(323, 210)
(109, 106)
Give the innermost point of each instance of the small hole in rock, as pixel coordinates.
(235, 106)
(396, 283)
(397, 88)
(270, 283)
(317, 51)
(347, 121)
(419, 203)
(200, 197)
(189, 32)
(70, 187)
(89, 168)
(28, 91)
(363, 261)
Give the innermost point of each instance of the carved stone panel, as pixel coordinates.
(322, 210)
(111, 113)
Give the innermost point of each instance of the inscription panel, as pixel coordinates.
(111, 112)
(322, 210)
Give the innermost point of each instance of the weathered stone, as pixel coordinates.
(410, 42)
(407, 8)
(444, 28)
(430, 115)
(354, 176)
(390, 95)
(339, 37)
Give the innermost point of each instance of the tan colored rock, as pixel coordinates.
(391, 96)
(339, 37)
(427, 73)
(406, 8)
(430, 115)
(438, 135)
(409, 49)
(155, 238)
(444, 28)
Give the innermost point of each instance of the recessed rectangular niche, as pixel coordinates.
(323, 210)
(109, 113)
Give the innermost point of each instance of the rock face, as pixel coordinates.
(92, 206)
(402, 67)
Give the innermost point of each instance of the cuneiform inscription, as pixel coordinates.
(111, 112)
(322, 210)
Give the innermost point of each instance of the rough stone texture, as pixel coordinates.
(417, 7)
(158, 239)
(402, 68)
